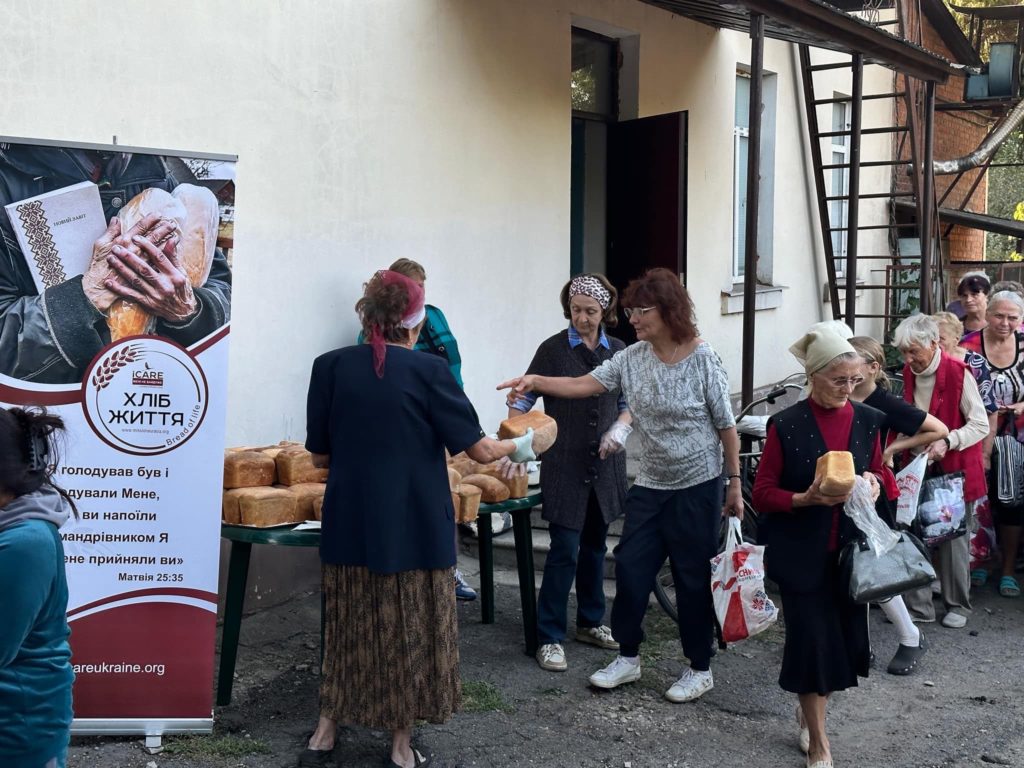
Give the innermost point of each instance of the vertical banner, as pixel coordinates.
(115, 302)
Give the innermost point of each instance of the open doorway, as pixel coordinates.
(628, 180)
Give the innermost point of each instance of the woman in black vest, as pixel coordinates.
(826, 633)
(584, 477)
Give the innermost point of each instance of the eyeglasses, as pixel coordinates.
(638, 311)
(854, 381)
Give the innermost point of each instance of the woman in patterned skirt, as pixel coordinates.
(380, 417)
(678, 393)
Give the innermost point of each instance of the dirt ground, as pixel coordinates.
(963, 707)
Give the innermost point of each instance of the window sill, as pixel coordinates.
(766, 297)
(842, 290)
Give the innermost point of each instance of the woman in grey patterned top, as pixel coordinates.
(678, 393)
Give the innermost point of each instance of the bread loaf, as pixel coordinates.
(464, 466)
(518, 485)
(545, 430)
(318, 508)
(493, 490)
(306, 495)
(248, 469)
(295, 465)
(455, 502)
(837, 473)
(469, 503)
(263, 507)
(198, 232)
(125, 317)
(454, 478)
(230, 512)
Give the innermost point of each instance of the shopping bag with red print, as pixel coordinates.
(737, 588)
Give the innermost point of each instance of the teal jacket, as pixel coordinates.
(35, 658)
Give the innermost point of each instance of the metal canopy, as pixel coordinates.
(983, 221)
(820, 25)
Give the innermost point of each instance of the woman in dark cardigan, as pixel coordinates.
(584, 477)
(826, 633)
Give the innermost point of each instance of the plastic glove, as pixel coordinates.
(614, 440)
(524, 448)
(509, 469)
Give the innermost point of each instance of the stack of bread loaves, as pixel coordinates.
(272, 485)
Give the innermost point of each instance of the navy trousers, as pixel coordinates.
(575, 555)
(683, 526)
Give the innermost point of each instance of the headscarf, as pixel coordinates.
(588, 285)
(415, 311)
(818, 348)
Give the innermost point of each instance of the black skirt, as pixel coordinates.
(827, 644)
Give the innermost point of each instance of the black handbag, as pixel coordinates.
(873, 578)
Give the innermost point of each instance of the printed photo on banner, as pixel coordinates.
(100, 245)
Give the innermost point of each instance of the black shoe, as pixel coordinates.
(316, 758)
(907, 657)
(419, 760)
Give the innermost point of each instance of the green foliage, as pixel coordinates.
(226, 746)
(481, 696)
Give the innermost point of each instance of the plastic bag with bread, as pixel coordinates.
(195, 215)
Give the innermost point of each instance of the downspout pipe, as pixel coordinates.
(986, 149)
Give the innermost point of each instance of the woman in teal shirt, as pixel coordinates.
(35, 658)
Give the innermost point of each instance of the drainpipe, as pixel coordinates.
(987, 148)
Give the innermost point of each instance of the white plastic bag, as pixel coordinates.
(909, 481)
(860, 508)
(737, 588)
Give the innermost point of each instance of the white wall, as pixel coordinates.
(433, 129)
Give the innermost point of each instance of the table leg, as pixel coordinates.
(238, 574)
(523, 531)
(485, 542)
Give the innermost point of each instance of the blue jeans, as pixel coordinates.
(683, 526)
(579, 555)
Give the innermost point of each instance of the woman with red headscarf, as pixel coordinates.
(380, 417)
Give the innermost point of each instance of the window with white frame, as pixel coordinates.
(766, 185)
(839, 210)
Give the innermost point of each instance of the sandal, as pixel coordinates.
(979, 576)
(1008, 587)
(316, 758)
(805, 733)
(418, 760)
(906, 657)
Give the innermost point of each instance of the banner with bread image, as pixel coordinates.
(115, 264)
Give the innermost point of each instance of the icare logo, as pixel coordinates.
(147, 377)
(145, 395)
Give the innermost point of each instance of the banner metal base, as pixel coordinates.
(141, 726)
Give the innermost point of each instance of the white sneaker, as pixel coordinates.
(954, 621)
(599, 636)
(691, 686)
(551, 656)
(615, 674)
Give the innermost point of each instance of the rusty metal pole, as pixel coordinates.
(853, 193)
(753, 183)
(927, 198)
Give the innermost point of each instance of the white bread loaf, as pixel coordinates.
(295, 465)
(198, 232)
(518, 486)
(545, 430)
(837, 473)
(464, 465)
(306, 495)
(318, 508)
(264, 507)
(492, 489)
(469, 503)
(456, 499)
(454, 478)
(230, 512)
(248, 469)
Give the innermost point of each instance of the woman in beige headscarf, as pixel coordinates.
(827, 645)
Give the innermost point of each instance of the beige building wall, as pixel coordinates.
(433, 129)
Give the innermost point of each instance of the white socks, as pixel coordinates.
(634, 660)
(897, 613)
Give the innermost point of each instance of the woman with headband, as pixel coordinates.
(380, 416)
(584, 477)
(678, 394)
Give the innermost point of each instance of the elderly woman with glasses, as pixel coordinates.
(943, 386)
(678, 393)
(1001, 343)
(827, 644)
(584, 478)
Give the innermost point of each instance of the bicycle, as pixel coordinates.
(753, 431)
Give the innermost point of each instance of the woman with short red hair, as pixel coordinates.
(678, 392)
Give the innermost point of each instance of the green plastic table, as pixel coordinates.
(242, 538)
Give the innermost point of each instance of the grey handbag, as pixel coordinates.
(904, 567)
